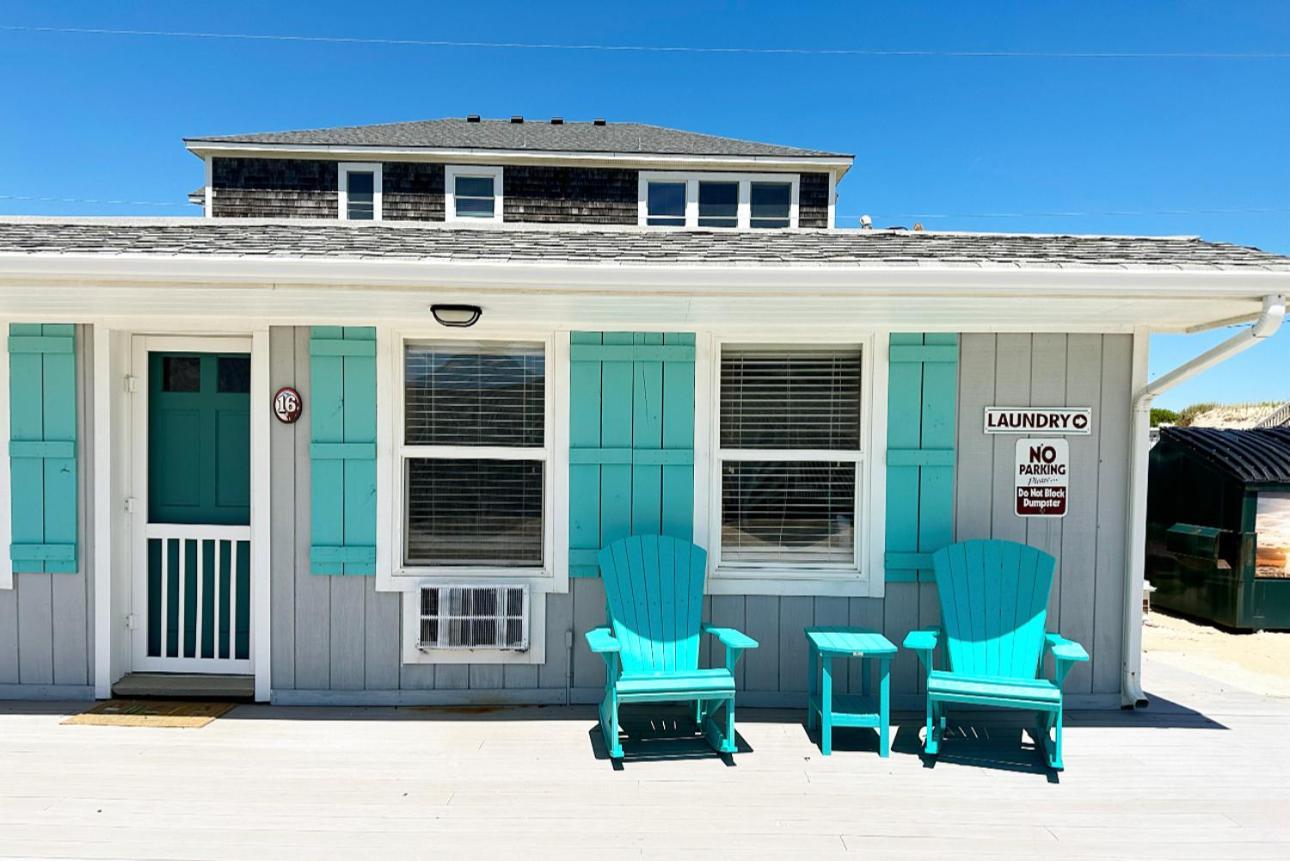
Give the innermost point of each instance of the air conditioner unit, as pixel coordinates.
(474, 617)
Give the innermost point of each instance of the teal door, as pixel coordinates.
(198, 512)
(199, 438)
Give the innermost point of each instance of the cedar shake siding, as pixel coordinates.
(274, 188)
(813, 200)
(411, 191)
(569, 195)
(414, 191)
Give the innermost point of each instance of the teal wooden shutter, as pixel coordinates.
(342, 374)
(42, 447)
(631, 440)
(921, 405)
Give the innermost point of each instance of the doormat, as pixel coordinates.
(156, 713)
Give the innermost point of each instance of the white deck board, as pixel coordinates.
(1199, 774)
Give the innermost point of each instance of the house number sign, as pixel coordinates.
(287, 405)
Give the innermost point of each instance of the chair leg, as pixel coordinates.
(698, 712)
(933, 744)
(1055, 745)
(721, 740)
(609, 725)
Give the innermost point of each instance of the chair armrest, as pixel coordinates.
(730, 638)
(1064, 649)
(602, 640)
(921, 641)
(924, 643)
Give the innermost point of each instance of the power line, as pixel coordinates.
(668, 49)
(1081, 214)
(29, 198)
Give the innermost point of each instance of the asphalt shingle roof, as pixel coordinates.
(636, 138)
(1253, 456)
(634, 246)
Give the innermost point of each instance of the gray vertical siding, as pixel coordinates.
(338, 639)
(1087, 601)
(46, 620)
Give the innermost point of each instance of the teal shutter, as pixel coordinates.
(42, 447)
(921, 405)
(631, 440)
(342, 373)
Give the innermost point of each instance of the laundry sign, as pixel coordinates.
(1051, 420)
(1042, 477)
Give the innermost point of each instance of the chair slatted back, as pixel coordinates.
(994, 600)
(654, 591)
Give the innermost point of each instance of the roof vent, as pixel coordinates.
(472, 118)
(557, 121)
(598, 121)
(517, 119)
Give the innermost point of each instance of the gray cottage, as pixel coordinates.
(356, 435)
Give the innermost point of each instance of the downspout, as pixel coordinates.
(1267, 324)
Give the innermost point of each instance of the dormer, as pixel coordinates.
(486, 172)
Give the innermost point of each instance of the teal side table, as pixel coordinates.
(862, 710)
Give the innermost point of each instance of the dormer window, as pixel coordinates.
(666, 204)
(770, 204)
(360, 191)
(718, 200)
(473, 193)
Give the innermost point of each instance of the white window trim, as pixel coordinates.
(6, 524)
(450, 174)
(348, 167)
(866, 575)
(692, 180)
(392, 575)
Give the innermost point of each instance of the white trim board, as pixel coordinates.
(6, 501)
(838, 164)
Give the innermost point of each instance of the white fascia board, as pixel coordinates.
(205, 149)
(664, 279)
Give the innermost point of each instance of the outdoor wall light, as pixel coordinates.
(456, 316)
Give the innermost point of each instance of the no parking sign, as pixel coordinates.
(1042, 477)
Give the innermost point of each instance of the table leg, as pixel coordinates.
(826, 706)
(884, 714)
(812, 684)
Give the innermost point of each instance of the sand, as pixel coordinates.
(1259, 663)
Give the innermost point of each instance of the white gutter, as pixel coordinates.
(1267, 324)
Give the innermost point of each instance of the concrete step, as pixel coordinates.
(185, 686)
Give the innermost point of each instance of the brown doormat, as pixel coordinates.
(157, 713)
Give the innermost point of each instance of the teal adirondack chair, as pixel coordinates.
(654, 592)
(994, 599)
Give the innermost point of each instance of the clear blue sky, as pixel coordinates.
(952, 142)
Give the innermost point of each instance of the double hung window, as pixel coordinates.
(789, 457)
(474, 455)
(718, 200)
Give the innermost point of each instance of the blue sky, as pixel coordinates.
(964, 143)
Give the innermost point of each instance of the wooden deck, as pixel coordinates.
(1202, 773)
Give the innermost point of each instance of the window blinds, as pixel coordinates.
(798, 399)
(473, 394)
(789, 510)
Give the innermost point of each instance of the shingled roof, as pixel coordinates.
(1254, 456)
(451, 133)
(626, 246)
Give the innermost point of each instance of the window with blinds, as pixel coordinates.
(789, 455)
(474, 456)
